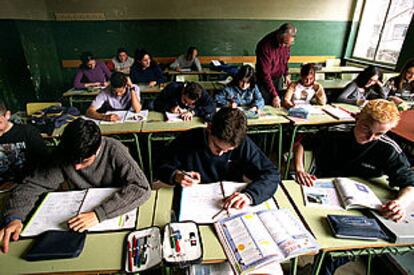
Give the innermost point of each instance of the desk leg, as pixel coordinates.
(149, 147)
(138, 147)
(369, 264)
(290, 153)
(317, 264)
(70, 101)
(279, 156)
(294, 266)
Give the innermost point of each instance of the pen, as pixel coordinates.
(137, 252)
(187, 174)
(224, 196)
(129, 256)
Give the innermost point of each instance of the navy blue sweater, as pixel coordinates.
(153, 73)
(170, 97)
(190, 152)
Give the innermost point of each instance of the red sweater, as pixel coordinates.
(272, 61)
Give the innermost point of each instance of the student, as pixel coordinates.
(306, 90)
(221, 152)
(272, 54)
(91, 73)
(242, 91)
(187, 61)
(403, 84)
(122, 62)
(146, 70)
(364, 151)
(367, 85)
(187, 99)
(120, 95)
(21, 148)
(86, 160)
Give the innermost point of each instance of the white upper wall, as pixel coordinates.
(330, 10)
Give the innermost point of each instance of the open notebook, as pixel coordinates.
(125, 116)
(207, 199)
(58, 207)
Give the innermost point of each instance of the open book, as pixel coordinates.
(174, 117)
(340, 193)
(58, 207)
(208, 200)
(127, 116)
(253, 240)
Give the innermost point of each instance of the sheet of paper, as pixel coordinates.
(120, 114)
(207, 199)
(54, 212)
(171, 117)
(136, 117)
(96, 197)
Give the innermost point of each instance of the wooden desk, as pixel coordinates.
(103, 252)
(331, 70)
(405, 128)
(213, 251)
(315, 219)
(204, 75)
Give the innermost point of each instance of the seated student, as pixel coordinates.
(187, 99)
(91, 73)
(242, 91)
(86, 160)
(122, 62)
(364, 151)
(403, 84)
(120, 95)
(306, 90)
(146, 70)
(221, 152)
(21, 148)
(187, 61)
(367, 85)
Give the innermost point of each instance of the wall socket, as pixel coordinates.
(79, 16)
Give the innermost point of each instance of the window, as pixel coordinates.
(382, 29)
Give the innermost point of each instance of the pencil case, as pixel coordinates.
(298, 112)
(179, 244)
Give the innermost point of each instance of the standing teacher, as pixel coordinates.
(273, 53)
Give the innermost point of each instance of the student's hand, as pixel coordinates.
(176, 110)
(111, 117)
(276, 102)
(254, 109)
(92, 84)
(305, 178)
(129, 82)
(236, 200)
(187, 116)
(233, 105)
(178, 69)
(187, 180)
(396, 100)
(105, 84)
(83, 221)
(392, 210)
(13, 230)
(288, 81)
(152, 83)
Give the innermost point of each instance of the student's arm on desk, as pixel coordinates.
(95, 105)
(395, 209)
(23, 199)
(257, 167)
(302, 176)
(135, 97)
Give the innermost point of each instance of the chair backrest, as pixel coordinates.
(387, 76)
(319, 76)
(187, 77)
(346, 76)
(34, 107)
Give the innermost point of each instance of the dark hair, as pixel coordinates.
(85, 58)
(80, 140)
(399, 81)
(363, 77)
(140, 54)
(193, 90)
(189, 54)
(3, 108)
(246, 72)
(307, 69)
(229, 125)
(120, 50)
(118, 80)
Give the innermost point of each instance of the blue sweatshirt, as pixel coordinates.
(190, 152)
(170, 97)
(153, 73)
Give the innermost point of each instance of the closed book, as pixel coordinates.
(355, 227)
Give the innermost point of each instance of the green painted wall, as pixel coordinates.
(46, 43)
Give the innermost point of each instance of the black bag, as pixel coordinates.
(56, 244)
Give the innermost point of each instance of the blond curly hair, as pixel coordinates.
(381, 110)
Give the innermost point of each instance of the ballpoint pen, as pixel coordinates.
(224, 197)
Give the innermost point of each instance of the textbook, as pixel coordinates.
(59, 207)
(207, 200)
(253, 240)
(340, 193)
(127, 116)
(174, 117)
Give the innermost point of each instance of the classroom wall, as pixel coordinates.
(164, 28)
